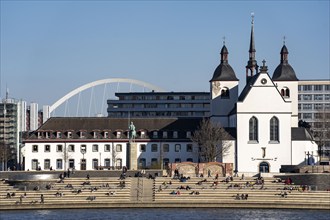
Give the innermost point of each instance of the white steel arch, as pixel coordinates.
(100, 82)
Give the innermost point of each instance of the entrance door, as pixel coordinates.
(264, 167)
(83, 164)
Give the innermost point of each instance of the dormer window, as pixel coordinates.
(175, 134)
(188, 134)
(47, 134)
(69, 134)
(164, 134)
(94, 134)
(118, 134)
(155, 134)
(285, 92)
(143, 134)
(58, 134)
(39, 135)
(106, 134)
(81, 135)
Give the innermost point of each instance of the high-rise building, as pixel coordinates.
(314, 108)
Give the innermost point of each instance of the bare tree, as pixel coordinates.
(212, 140)
(321, 131)
(5, 154)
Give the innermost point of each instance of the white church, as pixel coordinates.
(262, 122)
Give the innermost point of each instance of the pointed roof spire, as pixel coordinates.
(252, 45)
(252, 66)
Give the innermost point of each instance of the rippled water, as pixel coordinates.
(166, 213)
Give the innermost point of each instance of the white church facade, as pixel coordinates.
(262, 123)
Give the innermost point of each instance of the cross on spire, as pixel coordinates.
(284, 40)
(224, 40)
(252, 16)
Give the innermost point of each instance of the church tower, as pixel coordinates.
(287, 84)
(224, 90)
(252, 66)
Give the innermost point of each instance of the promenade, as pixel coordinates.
(142, 192)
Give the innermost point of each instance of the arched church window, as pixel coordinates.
(285, 92)
(253, 129)
(224, 93)
(274, 129)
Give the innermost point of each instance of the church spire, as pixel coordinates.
(252, 66)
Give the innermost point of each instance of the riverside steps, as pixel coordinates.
(141, 192)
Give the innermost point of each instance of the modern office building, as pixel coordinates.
(160, 104)
(314, 108)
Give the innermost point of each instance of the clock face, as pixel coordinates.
(264, 81)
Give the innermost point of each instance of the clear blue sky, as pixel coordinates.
(49, 48)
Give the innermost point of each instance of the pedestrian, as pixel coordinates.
(42, 198)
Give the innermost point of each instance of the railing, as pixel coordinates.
(139, 190)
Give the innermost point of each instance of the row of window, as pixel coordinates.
(316, 97)
(322, 116)
(143, 134)
(313, 87)
(317, 106)
(107, 147)
(161, 105)
(124, 114)
(273, 129)
(71, 148)
(59, 164)
(154, 162)
(165, 97)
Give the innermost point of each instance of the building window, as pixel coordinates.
(143, 134)
(154, 148)
(107, 148)
(71, 163)
(59, 164)
(190, 160)
(82, 135)
(166, 147)
(95, 163)
(318, 97)
(285, 92)
(177, 160)
(83, 149)
(327, 87)
(253, 129)
(307, 97)
(69, 134)
(34, 164)
(318, 87)
(47, 164)
(94, 134)
(58, 134)
(34, 148)
(189, 148)
(95, 148)
(224, 93)
(307, 106)
(154, 162)
(142, 163)
(155, 134)
(166, 161)
(59, 148)
(307, 87)
(318, 106)
(47, 148)
(118, 148)
(164, 134)
(119, 163)
(307, 115)
(175, 134)
(188, 134)
(71, 148)
(177, 148)
(118, 135)
(143, 148)
(107, 162)
(274, 129)
(106, 134)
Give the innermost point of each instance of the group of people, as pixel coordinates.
(242, 196)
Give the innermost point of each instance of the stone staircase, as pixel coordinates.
(142, 190)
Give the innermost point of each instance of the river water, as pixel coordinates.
(166, 214)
